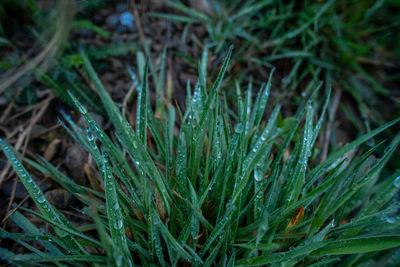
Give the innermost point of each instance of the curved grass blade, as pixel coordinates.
(358, 245)
(129, 139)
(31, 229)
(38, 197)
(339, 153)
(114, 214)
(142, 107)
(281, 256)
(33, 258)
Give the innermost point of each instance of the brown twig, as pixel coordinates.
(127, 97)
(23, 138)
(138, 23)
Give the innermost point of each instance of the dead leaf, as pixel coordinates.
(94, 178)
(52, 149)
(297, 218)
(160, 206)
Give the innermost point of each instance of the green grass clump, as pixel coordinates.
(214, 187)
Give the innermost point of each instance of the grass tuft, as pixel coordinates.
(214, 186)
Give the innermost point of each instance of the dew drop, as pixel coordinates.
(118, 224)
(90, 135)
(370, 142)
(396, 182)
(239, 128)
(82, 109)
(116, 206)
(258, 175)
(29, 180)
(389, 219)
(118, 260)
(41, 199)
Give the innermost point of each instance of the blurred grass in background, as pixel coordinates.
(352, 44)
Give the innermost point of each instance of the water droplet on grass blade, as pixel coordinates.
(41, 199)
(239, 128)
(389, 219)
(370, 142)
(82, 109)
(118, 224)
(118, 260)
(396, 182)
(258, 175)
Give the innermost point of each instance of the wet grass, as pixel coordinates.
(214, 186)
